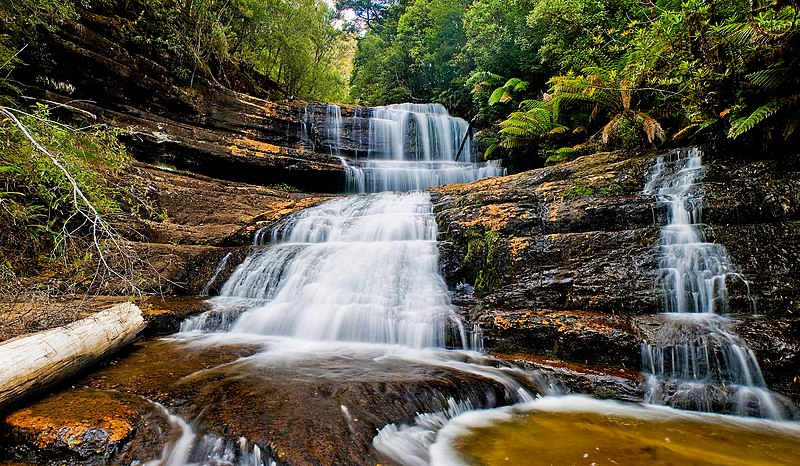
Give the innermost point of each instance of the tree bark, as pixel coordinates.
(31, 363)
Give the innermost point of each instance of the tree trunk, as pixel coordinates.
(34, 362)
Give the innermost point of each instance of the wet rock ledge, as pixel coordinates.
(559, 262)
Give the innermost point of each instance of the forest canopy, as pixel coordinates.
(543, 80)
(558, 78)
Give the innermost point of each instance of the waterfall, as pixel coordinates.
(361, 268)
(217, 271)
(334, 128)
(695, 360)
(409, 147)
(357, 277)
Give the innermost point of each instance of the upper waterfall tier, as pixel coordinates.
(418, 132)
(402, 147)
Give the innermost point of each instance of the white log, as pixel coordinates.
(32, 362)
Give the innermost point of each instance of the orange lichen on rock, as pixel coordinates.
(517, 246)
(494, 217)
(257, 145)
(155, 312)
(502, 323)
(73, 417)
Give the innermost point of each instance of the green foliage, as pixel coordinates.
(368, 13)
(19, 21)
(629, 74)
(506, 92)
(414, 56)
(285, 187)
(252, 45)
(745, 124)
(483, 257)
(37, 202)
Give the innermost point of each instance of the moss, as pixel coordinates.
(576, 191)
(483, 257)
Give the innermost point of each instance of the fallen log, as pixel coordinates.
(31, 363)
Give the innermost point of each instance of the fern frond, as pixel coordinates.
(489, 151)
(685, 132)
(790, 127)
(770, 78)
(625, 94)
(482, 79)
(651, 127)
(564, 98)
(745, 124)
(527, 105)
(611, 128)
(497, 95)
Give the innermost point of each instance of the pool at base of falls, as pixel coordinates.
(580, 430)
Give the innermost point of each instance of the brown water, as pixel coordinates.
(575, 430)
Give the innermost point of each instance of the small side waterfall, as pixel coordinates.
(695, 360)
(409, 147)
(334, 129)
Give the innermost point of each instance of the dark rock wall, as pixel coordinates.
(562, 260)
(753, 208)
(575, 237)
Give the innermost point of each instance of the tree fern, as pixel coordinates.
(745, 124)
(652, 128)
(506, 92)
(482, 79)
(611, 128)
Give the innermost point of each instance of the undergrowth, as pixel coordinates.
(44, 228)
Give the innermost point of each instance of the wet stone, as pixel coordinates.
(84, 425)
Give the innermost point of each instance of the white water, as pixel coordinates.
(334, 117)
(697, 361)
(217, 271)
(357, 278)
(410, 147)
(360, 268)
(193, 449)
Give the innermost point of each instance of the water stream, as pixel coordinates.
(403, 147)
(350, 290)
(695, 361)
(352, 285)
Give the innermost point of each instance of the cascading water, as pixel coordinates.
(410, 147)
(334, 117)
(361, 268)
(359, 275)
(695, 360)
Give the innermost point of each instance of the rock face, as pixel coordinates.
(85, 426)
(310, 411)
(560, 261)
(353, 138)
(200, 126)
(579, 236)
(194, 223)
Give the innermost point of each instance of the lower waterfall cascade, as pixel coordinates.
(696, 361)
